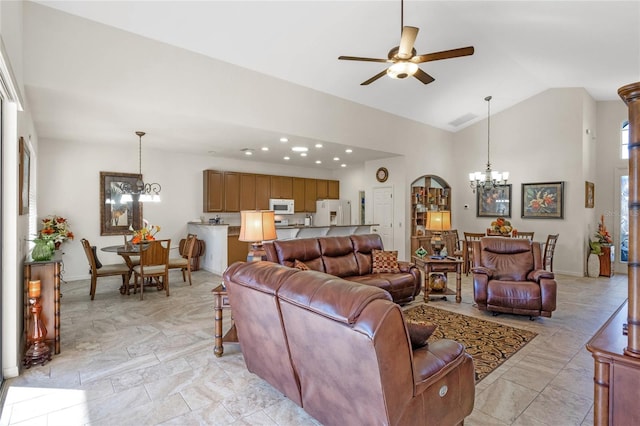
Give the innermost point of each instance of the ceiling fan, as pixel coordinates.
(404, 59)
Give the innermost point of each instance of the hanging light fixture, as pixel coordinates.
(142, 192)
(490, 178)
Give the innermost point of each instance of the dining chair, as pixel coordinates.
(98, 270)
(466, 249)
(549, 249)
(520, 234)
(184, 262)
(154, 264)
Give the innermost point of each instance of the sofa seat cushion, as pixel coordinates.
(400, 285)
(520, 295)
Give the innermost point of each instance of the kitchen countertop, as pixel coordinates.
(327, 226)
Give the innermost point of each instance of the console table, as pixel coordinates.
(449, 264)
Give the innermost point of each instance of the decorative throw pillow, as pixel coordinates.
(300, 265)
(385, 261)
(420, 333)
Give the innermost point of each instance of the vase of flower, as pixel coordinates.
(42, 250)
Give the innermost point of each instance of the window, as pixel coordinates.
(624, 141)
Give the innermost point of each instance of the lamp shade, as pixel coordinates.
(257, 225)
(438, 221)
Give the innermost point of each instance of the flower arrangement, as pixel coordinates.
(603, 236)
(144, 234)
(500, 226)
(55, 229)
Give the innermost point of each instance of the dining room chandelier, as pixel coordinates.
(488, 179)
(141, 191)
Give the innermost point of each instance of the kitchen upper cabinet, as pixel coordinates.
(322, 189)
(213, 191)
(231, 191)
(298, 194)
(247, 191)
(263, 192)
(333, 189)
(310, 195)
(281, 187)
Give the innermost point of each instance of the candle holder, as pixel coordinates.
(39, 352)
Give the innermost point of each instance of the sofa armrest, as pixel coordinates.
(405, 266)
(482, 270)
(538, 274)
(432, 362)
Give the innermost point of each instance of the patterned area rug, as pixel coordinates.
(489, 343)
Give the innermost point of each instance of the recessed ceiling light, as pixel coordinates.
(211, 152)
(303, 154)
(318, 162)
(343, 165)
(248, 153)
(318, 145)
(336, 158)
(287, 158)
(299, 149)
(348, 150)
(283, 140)
(265, 148)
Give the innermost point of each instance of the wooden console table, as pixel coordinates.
(449, 264)
(221, 301)
(48, 272)
(607, 259)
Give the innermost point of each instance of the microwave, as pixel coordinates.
(280, 206)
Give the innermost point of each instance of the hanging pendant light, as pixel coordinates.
(140, 191)
(490, 178)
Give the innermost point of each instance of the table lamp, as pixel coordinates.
(257, 226)
(438, 221)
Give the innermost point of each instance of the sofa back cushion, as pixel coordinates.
(511, 259)
(338, 257)
(363, 246)
(286, 252)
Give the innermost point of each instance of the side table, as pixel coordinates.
(449, 264)
(221, 301)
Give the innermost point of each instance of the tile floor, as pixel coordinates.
(131, 362)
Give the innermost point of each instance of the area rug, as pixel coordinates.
(489, 343)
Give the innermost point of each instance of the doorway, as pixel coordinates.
(383, 215)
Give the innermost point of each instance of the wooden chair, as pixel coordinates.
(98, 270)
(154, 264)
(519, 234)
(549, 248)
(466, 250)
(184, 263)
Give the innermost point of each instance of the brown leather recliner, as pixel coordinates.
(508, 277)
(342, 351)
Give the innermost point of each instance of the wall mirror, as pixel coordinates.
(117, 211)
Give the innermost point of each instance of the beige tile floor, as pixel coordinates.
(131, 362)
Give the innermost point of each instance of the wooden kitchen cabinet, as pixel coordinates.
(247, 191)
(282, 187)
(213, 191)
(231, 191)
(333, 187)
(48, 272)
(263, 192)
(298, 194)
(310, 195)
(322, 189)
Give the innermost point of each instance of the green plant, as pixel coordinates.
(596, 247)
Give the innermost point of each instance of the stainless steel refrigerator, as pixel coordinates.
(332, 212)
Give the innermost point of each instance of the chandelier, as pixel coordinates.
(140, 191)
(490, 178)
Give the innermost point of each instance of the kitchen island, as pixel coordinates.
(222, 247)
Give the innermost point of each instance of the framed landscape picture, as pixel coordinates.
(494, 202)
(543, 200)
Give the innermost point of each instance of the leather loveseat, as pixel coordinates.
(508, 277)
(348, 257)
(342, 351)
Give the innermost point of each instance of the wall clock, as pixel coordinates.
(382, 174)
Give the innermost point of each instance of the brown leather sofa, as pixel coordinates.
(342, 351)
(347, 257)
(508, 276)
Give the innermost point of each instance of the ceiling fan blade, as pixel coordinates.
(407, 40)
(445, 54)
(423, 76)
(374, 78)
(357, 58)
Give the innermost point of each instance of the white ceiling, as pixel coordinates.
(521, 48)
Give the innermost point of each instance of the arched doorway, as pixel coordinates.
(428, 193)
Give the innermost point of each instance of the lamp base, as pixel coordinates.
(256, 253)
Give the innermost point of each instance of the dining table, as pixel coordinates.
(127, 252)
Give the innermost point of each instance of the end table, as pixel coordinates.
(449, 264)
(221, 301)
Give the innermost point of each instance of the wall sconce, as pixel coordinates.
(257, 226)
(438, 221)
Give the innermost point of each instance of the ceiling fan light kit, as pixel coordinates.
(404, 59)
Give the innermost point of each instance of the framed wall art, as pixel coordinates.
(543, 200)
(24, 168)
(494, 202)
(589, 194)
(118, 213)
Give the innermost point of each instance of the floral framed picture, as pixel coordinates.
(25, 165)
(589, 194)
(494, 202)
(543, 200)
(117, 211)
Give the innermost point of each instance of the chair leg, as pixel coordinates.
(184, 278)
(165, 282)
(189, 273)
(92, 292)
